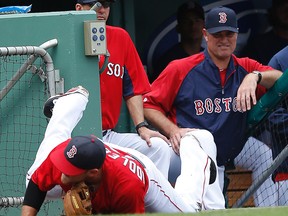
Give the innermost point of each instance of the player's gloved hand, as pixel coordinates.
(77, 201)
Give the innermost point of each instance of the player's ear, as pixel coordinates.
(204, 31)
(78, 7)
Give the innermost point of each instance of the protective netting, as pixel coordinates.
(22, 127)
(265, 156)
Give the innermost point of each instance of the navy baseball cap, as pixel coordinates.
(79, 154)
(221, 19)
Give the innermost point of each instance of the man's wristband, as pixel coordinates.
(259, 76)
(141, 124)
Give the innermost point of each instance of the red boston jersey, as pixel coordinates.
(123, 185)
(124, 75)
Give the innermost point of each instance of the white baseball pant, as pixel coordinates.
(257, 157)
(282, 193)
(158, 152)
(191, 185)
(66, 115)
(213, 197)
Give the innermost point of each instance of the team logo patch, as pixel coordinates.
(72, 152)
(222, 17)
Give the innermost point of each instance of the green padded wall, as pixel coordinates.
(68, 56)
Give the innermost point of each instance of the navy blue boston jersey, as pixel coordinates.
(196, 98)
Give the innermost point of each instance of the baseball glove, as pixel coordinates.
(77, 201)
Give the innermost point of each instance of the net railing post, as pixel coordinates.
(11, 201)
(35, 51)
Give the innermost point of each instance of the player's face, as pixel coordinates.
(191, 27)
(222, 44)
(102, 12)
(92, 176)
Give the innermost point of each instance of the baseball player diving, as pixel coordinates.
(119, 180)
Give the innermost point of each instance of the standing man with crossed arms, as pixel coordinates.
(125, 77)
(212, 90)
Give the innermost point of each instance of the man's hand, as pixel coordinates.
(146, 133)
(176, 135)
(246, 95)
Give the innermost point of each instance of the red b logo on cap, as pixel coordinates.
(72, 152)
(222, 17)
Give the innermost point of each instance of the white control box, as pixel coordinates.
(95, 37)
